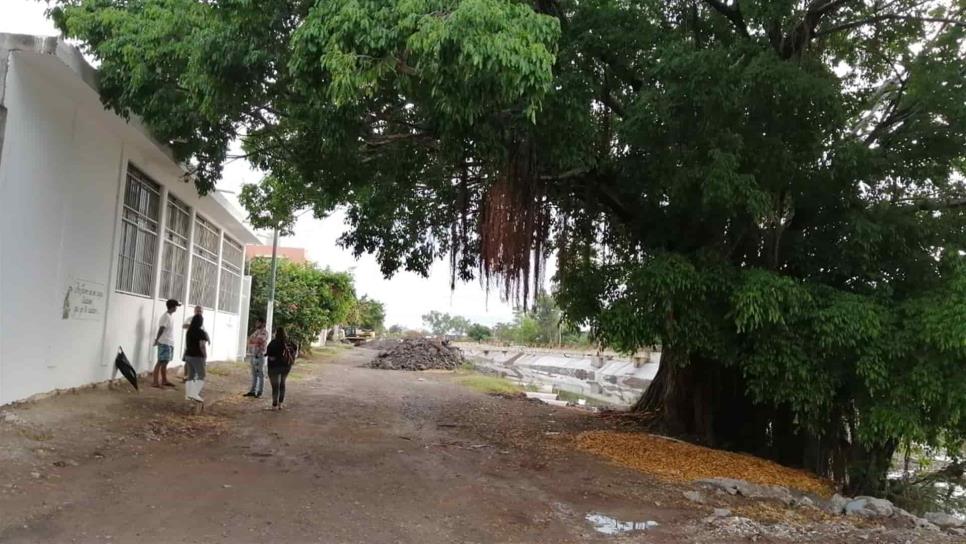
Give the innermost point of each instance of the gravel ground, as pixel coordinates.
(360, 455)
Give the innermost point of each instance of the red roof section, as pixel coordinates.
(294, 254)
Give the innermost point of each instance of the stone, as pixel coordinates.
(857, 507)
(943, 519)
(881, 508)
(750, 490)
(727, 485)
(836, 505)
(804, 502)
(721, 512)
(914, 520)
(694, 496)
(12, 419)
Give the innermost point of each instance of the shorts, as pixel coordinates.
(165, 353)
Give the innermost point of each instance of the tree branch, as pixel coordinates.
(939, 204)
(733, 13)
(885, 17)
(803, 33)
(611, 102)
(387, 139)
(569, 174)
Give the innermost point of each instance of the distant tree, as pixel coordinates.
(437, 322)
(368, 314)
(526, 330)
(307, 299)
(504, 332)
(458, 325)
(478, 332)
(396, 330)
(548, 317)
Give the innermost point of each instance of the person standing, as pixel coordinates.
(195, 355)
(280, 360)
(187, 323)
(165, 343)
(257, 345)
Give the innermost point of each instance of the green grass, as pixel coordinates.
(298, 373)
(222, 369)
(490, 384)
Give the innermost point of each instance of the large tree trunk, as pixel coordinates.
(703, 400)
(678, 396)
(869, 469)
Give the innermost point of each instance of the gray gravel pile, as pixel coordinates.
(419, 354)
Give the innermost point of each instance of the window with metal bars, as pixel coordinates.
(232, 257)
(174, 259)
(137, 257)
(204, 265)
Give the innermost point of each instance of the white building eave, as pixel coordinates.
(64, 62)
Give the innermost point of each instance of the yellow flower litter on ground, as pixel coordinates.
(677, 461)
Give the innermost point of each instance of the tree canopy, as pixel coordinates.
(367, 313)
(442, 324)
(307, 299)
(770, 189)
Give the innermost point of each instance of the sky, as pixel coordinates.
(407, 296)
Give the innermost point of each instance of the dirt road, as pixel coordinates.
(359, 456)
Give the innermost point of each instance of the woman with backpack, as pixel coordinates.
(195, 356)
(280, 359)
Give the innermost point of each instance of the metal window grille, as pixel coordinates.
(232, 256)
(204, 266)
(137, 257)
(174, 260)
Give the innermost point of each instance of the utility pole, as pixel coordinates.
(270, 310)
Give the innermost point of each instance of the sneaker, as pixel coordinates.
(250, 394)
(258, 395)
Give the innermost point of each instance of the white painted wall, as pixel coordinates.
(61, 175)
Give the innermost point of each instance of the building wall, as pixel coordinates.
(61, 177)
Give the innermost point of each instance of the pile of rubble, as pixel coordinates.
(381, 344)
(419, 354)
(870, 508)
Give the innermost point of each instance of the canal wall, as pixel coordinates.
(618, 380)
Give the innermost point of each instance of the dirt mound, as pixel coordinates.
(419, 354)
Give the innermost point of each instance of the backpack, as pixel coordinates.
(288, 354)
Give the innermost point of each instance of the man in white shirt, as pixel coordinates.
(165, 342)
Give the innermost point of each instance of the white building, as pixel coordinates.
(97, 228)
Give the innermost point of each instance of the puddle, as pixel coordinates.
(609, 526)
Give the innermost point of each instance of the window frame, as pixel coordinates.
(229, 296)
(202, 256)
(136, 219)
(175, 240)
